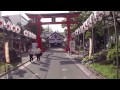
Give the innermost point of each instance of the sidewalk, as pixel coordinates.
(25, 59)
(88, 71)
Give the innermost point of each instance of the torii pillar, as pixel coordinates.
(68, 35)
(39, 40)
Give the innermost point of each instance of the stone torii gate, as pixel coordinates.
(37, 21)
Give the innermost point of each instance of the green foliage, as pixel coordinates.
(85, 59)
(108, 71)
(87, 35)
(111, 56)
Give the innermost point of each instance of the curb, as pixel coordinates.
(14, 68)
(97, 73)
(93, 73)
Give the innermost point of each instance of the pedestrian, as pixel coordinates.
(38, 53)
(31, 52)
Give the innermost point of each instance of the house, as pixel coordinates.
(56, 40)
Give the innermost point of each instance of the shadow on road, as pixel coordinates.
(43, 69)
(35, 63)
(20, 72)
(66, 62)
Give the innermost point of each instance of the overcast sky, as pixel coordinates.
(55, 27)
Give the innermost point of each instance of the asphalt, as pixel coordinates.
(54, 64)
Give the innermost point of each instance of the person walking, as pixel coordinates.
(38, 53)
(31, 53)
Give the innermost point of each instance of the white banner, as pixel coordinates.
(7, 58)
(72, 46)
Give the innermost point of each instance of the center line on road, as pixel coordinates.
(64, 69)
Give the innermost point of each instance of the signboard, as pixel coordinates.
(90, 48)
(34, 45)
(72, 46)
(7, 58)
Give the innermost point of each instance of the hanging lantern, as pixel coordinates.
(29, 34)
(8, 25)
(26, 33)
(18, 29)
(32, 35)
(106, 13)
(86, 26)
(90, 19)
(13, 28)
(80, 31)
(101, 14)
(76, 33)
(1, 22)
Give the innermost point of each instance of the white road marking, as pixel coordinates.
(34, 76)
(64, 69)
(64, 77)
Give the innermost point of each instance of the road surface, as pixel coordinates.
(54, 64)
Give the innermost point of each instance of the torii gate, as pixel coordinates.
(37, 18)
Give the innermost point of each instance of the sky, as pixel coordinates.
(55, 27)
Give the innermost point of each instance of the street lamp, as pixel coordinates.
(116, 34)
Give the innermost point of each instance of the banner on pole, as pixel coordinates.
(72, 46)
(90, 47)
(7, 57)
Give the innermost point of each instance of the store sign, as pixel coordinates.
(7, 58)
(72, 46)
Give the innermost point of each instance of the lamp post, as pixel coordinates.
(116, 35)
(83, 43)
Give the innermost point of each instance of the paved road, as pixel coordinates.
(54, 64)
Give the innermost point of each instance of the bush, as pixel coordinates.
(101, 56)
(111, 56)
(85, 59)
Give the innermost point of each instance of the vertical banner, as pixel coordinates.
(72, 46)
(7, 58)
(90, 47)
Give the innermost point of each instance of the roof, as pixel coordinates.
(18, 18)
(57, 33)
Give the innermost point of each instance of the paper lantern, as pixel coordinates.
(101, 14)
(80, 31)
(29, 34)
(1, 22)
(26, 33)
(106, 13)
(13, 28)
(8, 25)
(18, 29)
